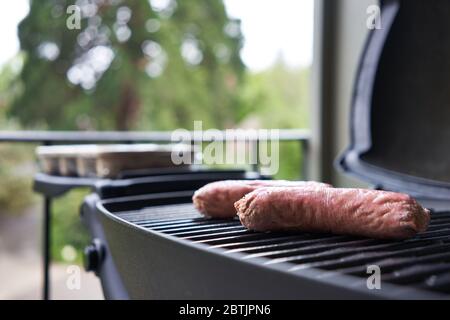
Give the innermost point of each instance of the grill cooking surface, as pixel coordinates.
(422, 262)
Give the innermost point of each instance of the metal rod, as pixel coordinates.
(133, 136)
(304, 168)
(255, 156)
(46, 248)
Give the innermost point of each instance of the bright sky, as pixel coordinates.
(274, 27)
(270, 27)
(11, 13)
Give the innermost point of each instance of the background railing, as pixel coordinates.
(85, 137)
(131, 136)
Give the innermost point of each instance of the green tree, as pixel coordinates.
(286, 91)
(279, 88)
(133, 64)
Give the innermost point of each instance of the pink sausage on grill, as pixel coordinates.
(217, 199)
(360, 212)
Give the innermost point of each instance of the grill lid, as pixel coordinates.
(400, 121)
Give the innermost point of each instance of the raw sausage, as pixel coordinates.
(217, 199)
(369, 213)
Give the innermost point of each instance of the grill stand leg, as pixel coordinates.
(46, 248)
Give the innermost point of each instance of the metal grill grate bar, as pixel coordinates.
(440, 215)
(185, 223)
(195, 226)
(439, 221)
(307, 249)
(416, 273)
(436, 227)
(217, 235)
(391, 264)
(366, 257)
(440, 282)
(301, 240)
(164, 212)
(243, 244)
(156, 223)
(343, 252)
(250, 236)
(208, 231)
(437, 233)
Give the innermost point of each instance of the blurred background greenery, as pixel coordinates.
(135, 65)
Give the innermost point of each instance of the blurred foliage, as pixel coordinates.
(15, 166)
(68, 231)
(291, 159)
(277, 97)
(134, 64)
(9, 90)
(16, 193)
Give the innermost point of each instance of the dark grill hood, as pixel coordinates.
(400, 120)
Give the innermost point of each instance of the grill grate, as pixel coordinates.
(422, 262)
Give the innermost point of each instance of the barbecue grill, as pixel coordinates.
(150, 242)
(163, 248)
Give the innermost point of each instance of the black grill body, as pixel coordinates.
(169, 251)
